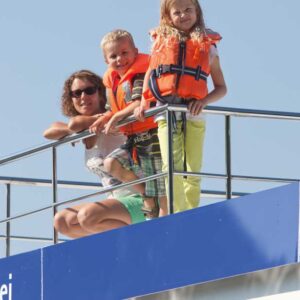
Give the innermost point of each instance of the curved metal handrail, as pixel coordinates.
(73, 138)
(226, 111)
(102, 191)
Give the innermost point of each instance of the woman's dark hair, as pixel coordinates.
(67, 106)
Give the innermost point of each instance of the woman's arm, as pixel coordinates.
(57, 130)
(79, 123)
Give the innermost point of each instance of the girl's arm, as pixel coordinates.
(57, 130)
(217, 77)
(219, 91)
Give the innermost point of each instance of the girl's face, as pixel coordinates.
(85, 97)
(183, 15)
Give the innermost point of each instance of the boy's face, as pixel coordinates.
(120, 55)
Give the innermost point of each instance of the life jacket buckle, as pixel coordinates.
(159, 71)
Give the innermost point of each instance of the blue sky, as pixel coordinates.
(43, 42)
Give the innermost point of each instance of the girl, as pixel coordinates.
(183, 55)
(84, 101)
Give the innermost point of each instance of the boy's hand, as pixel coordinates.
(111, 124)
(196, 106)
(98, 125)
(139, 113)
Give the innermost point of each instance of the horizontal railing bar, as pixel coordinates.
(65, 140)
(221, 193)
(209, 109)
(72, 138)
(238, 177)
(48, 183)
(259, 178)
(141, 180)
(149, 113)
(97, 186)
(196, 174)
(29, 238)
(252, 113)
(104, 190)
(230, 111)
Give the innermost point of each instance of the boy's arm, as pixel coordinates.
(98, 125)
(57, 130)
(139, 111)
(120, 115)
(135, 100)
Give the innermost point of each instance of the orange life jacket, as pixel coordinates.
(120, 91)
(179, 68)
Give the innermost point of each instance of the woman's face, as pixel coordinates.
(85, 97)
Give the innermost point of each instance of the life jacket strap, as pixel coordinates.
(177, 69)
(172, 69)
(131, 150)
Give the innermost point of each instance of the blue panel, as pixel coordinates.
(247, 234)
(20, 277)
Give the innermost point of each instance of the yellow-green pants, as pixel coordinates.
(186, 190)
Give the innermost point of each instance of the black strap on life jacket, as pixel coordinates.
(179, 69)
(130, 149)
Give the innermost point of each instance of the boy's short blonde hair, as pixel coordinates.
(116, 35)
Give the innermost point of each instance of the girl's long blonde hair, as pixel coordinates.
(166, 28)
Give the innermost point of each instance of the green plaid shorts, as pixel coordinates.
(148, 165)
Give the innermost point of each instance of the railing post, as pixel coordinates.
(228, 156)
(7, 216)
(170, 160)
(54, 189)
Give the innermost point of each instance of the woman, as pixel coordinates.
(84, 100)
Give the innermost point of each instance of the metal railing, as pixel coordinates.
(54, 183)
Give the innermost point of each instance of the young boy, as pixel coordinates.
(124, 83)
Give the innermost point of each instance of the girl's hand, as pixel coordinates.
(139, 113)
(195, 107)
